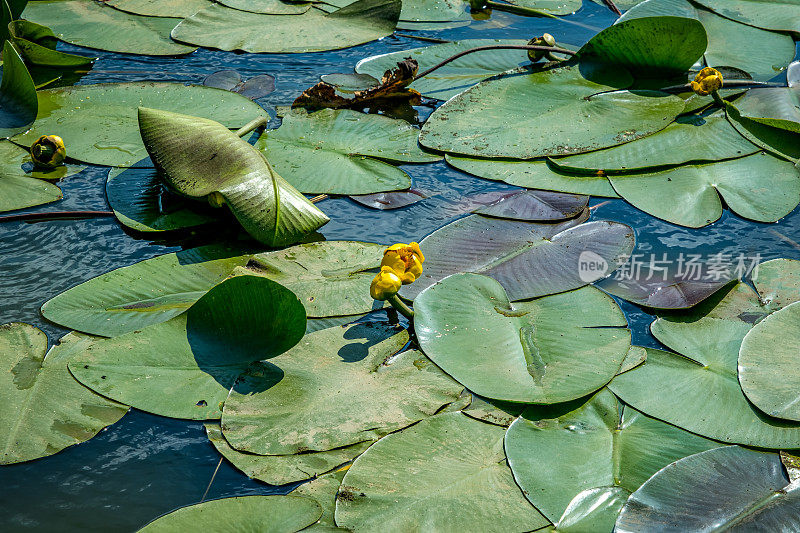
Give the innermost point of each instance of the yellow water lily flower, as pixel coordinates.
(385, 285)
(406, 260)
(48, 151)
(707, 81)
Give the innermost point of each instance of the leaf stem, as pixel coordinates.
(610, 4)
(530, 12)
(55, 215)
(729, 84)
(555, 49)
(252, 125)
(400, 306)
(717, 99)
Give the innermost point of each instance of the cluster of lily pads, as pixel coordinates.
(513, 397)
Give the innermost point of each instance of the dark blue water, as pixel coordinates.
(145, 465)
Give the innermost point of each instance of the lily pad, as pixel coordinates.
(268, 7)
(725, 489)
(532, 205)
(214, 162)
(152, 291)
(269, 514)
(159, 8)
(184, 367)
(324, 490)
(389, 200)
(767, 363)
(493, 411)
(434, 11)
(780, 15)
(97, 25)
(282, 469)
(221, 27)
(340, 386)
(763, 59)
(777, 140)
(528, 259)
(548, 350)
(331, 278)
(778, 107)
(649, 47)
(698, 389)
(589, 115)
(556, 7)
(536, 174)
(42, 408)
(456, 479)
(689, 138)
(18, 103)
(342, 151)
(98, 122)
(559, 453)
(142, 202)
(456, 76)
(759, 187)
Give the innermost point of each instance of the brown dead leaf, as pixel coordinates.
(392, 90)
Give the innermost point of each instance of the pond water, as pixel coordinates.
(145, 465)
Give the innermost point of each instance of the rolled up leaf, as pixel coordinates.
(200, 157)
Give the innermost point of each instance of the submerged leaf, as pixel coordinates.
(728, 488)
(389, 200)
(456, 479)
(528, 259)
(230, 80)
(200, 157)
(339, 386)
(184, 367)
(217, 26)
(42, 408)
(268, 514)
(552, 349)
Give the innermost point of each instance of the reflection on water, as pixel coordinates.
(145, 465)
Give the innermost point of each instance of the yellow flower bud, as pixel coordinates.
(48, 151)
(385, 285)
(405, 260)
(707, 81)
(544, 40)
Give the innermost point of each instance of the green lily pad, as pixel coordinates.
(269, 514)
(776, 140)
(97, 25)
(160, 8)
(184, 367)
(780, 15)
(529, 259)
(699, 390)
(214, 161)
(590, 116)
(434, 11)
(778, 107)
(282, 469)
(455, 479)
(548, 350)
(555, 7)
(18, 103)
(767, 363)
(149, 292)
(42, 408)
(759, 187)
(324, 490)
(455, 77)
(221, 27)
(37, 45)
(267, 7)
(493, 411)
(331, 278)
(648, 47)
(340, 386)
(765, 56)
(343, 151)
(98, 122)
(592, 510)
(725, 489)
(559, 453)
(536, 174)
(689, 138)
(142, 202)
